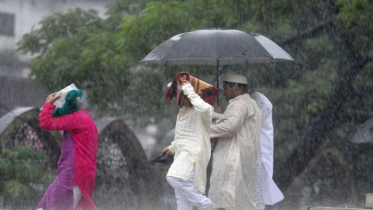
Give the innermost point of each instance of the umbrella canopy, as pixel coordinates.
(217, 47)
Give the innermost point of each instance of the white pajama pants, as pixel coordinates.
(187, 195)
(77, 196)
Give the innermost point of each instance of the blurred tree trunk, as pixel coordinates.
(350, 64)
(309, 32)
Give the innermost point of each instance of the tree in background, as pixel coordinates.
(24, 175)
(320, 100)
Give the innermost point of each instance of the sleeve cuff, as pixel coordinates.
(187, 89)
(48, 106)
(218, 116)
(171, 148)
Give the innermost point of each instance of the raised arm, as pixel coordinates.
(234, 117)
(218, 116)
(198, 103)
(48, 122)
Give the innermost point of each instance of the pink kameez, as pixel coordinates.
(85, 136)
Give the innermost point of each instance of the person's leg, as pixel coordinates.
(77, 196)
(182, 203)
(187, 196)
(193, 195)
(259, 199)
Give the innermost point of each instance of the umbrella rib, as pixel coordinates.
(215, 44)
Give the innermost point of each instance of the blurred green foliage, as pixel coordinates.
(22, 171)
(102, 57)
(356, 16)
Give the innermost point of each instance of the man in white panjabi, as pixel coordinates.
(233, 177)
(266, 192)
(191, 145)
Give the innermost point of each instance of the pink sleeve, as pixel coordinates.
(47, 122)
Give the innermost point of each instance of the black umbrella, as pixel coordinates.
(217, 47)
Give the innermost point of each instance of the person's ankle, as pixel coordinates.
(209, 207)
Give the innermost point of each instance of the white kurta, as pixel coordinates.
(191, 144)
(233, 177)
(271, 193)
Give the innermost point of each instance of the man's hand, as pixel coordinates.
(218, 109)
(166, 150)
(213, 141)
(52, 98)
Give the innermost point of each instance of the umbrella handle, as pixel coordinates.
(217, 82)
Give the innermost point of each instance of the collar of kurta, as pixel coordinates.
(206, 91)
(240, 96)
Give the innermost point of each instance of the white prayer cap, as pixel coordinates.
(234, 78)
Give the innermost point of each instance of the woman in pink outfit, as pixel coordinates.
(73, 187)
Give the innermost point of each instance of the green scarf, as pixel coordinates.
(70, 105)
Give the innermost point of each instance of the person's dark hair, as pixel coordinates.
(70, 105)
(242, 86)
(252, 86)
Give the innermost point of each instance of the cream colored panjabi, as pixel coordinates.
(233, 178)
(191, 144)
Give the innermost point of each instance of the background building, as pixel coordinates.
(18, 17)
